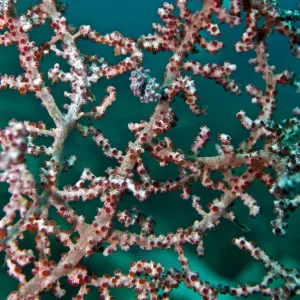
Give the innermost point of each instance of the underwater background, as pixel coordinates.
(222, 263)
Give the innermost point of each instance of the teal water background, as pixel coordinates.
(222, 263)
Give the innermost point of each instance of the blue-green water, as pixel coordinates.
(222, 263)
